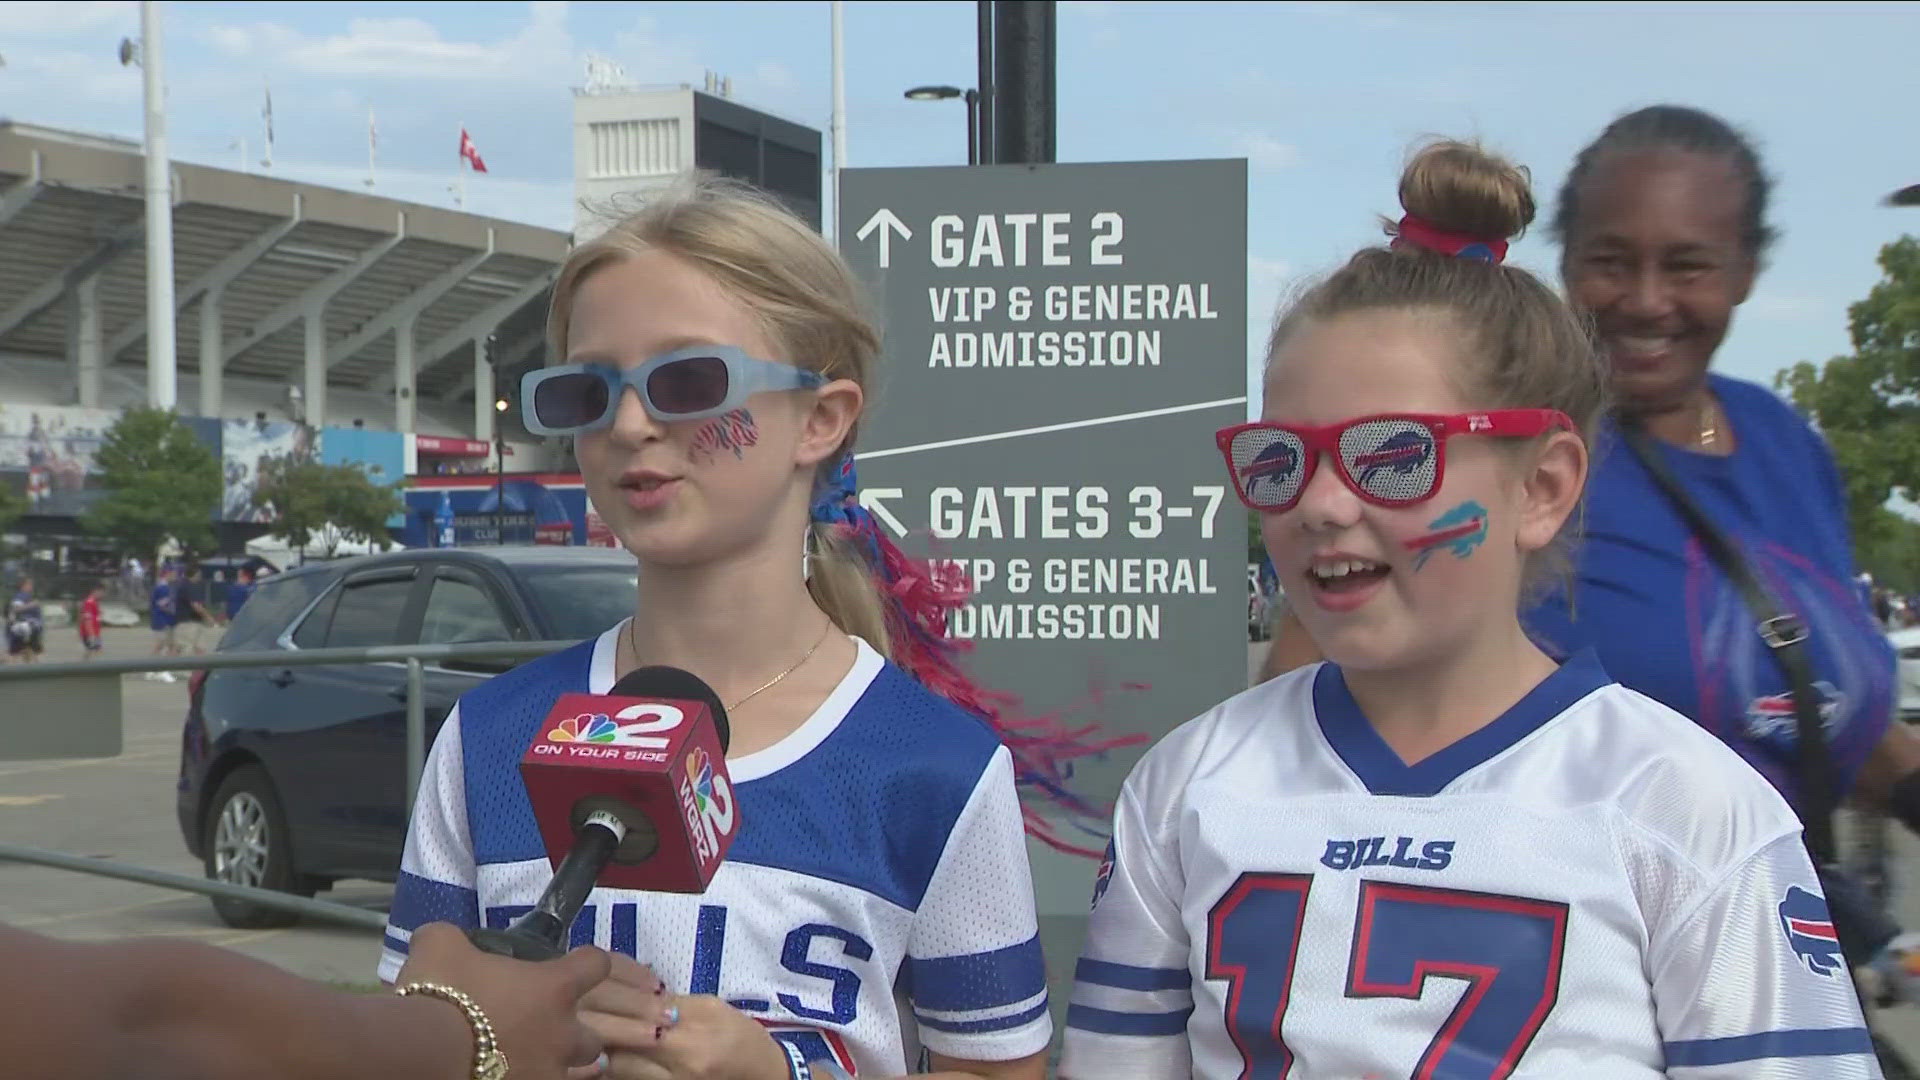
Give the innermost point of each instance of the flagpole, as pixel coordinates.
(266, 113)
(370, 146)
(839, 115)
(162, 374)
(460, 199)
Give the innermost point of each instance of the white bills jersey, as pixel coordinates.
(1590, 886)
(876, 900)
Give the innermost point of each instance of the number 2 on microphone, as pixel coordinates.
(651, 717)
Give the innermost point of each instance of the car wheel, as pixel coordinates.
(247, 845)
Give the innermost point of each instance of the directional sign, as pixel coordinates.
(884, 220)
(1062, 341)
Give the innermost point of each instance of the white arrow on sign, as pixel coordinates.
(888, 223)
(871, 498)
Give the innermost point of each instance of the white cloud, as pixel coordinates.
(652, 60)
(1266, 153)
(32, 18)
(406, 48)
(81, 78)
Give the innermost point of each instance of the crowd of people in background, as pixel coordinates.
(187, 609)
(1894, 609)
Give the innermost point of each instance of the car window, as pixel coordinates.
(312, 632)
(275, 601)
(369, 613)
(579, 602)
(460, 609)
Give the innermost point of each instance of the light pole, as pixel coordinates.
(499, 473)
(161, 371)
(948, 93)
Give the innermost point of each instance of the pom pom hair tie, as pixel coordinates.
(918, 597)
(1421, 233)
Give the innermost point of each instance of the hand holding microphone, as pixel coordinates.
(630, 790)
(534, 1011)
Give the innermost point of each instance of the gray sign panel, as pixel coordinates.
(1062, 341)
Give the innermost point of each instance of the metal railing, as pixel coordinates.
(98, 672)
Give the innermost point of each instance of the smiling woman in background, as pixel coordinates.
(1663, 226)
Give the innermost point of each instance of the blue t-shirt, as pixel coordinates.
(163, 605)
(237, 594)
(1669, 623)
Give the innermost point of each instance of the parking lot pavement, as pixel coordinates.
(122, 809)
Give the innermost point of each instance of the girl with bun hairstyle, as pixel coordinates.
(1440, 851)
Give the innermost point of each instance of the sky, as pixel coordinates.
(1324, 99)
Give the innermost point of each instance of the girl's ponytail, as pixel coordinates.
(900, 605)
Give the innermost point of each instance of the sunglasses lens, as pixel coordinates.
(1267, 466)
(1394, 461)
(695, 384)
(574, 400)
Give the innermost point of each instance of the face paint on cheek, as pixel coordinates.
(1459, 530)
(735, 431)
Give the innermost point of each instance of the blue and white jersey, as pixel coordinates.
(876, 900)
(1590, 886)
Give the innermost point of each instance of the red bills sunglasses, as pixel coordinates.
(1390, 460)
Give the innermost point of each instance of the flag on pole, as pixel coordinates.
(471, 153)
(266, 113)
(373, 141)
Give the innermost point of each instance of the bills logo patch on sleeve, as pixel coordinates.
(1809, 930)
(1104, 877)
(814, 1044)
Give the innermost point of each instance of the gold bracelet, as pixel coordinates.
(488, 1062)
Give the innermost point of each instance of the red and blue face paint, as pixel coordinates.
(733, 431)
(1459, 530)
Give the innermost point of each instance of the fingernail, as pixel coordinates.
(660, 987)
(658, 1032)
(673, 1015)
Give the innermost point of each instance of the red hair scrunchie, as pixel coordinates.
(1424, 234)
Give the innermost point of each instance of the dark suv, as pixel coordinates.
(294, 777)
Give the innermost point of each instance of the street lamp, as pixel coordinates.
(948, 93)
(499, 475)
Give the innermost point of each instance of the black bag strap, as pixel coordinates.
(1784, 634)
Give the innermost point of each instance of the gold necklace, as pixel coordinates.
(633, 647)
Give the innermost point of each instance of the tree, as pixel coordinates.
(328, 503)
(1891, 552)
(160, 480)
(11, 507)
(1868, 402)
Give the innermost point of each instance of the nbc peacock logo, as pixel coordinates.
(700, 772)
(707, 802)
(587, 728)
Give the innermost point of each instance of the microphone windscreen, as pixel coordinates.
(675, 684)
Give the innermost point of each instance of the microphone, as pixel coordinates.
(632, 787)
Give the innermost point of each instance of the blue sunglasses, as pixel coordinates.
(687, 384)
